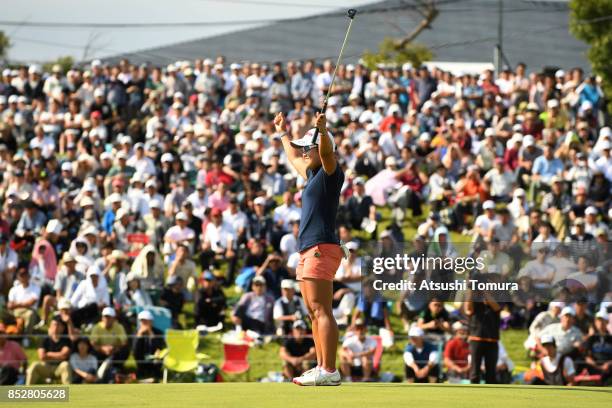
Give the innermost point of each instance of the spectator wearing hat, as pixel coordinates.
(133, 295)
(149, 342)
(556, 203)
(23, 301)
(288, 308)
(149, 268)
(179, 234)
(115, 203)
(155, 224)
(53, 354)
(89, 298)
(420, 358)
(273, 271)
(254, 311)
(32, 221)
(357, 353)
(109, 340)
(591, 222)
(598, 347)
(297, 351)
(66, 281)
(12, 358)
(557, 368)
(83, 364)
(567, 336)
(210, 302)
(173, 298)
(456, 354)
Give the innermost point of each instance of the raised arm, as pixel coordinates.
(326, 149)
(293, 154)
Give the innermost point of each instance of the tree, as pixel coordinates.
(590, 21)
(5, 44)
(65, 63)
(401, 50)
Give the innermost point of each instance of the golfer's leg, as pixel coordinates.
(313, 321)
(320, 297)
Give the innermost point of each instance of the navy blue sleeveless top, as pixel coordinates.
(320, 200)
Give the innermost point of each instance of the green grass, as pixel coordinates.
(348, 395)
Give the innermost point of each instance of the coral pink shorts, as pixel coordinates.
(320, 261)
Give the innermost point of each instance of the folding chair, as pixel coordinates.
(181, 355)
(235, 359)
(137, 238)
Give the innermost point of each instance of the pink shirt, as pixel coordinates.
(12, 355)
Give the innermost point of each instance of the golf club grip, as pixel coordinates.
(316, 132)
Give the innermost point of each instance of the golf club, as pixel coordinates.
(351, 15)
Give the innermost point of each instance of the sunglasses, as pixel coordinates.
(306, 149)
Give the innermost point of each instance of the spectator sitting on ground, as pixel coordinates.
(12, 358)
(148, 343)
(456, 354)
(557, 368)
(23, 301)
(254, 311)
(66, 281)
(567, 336)
(541, 321)
(109, 341)
(53, 354)
(83, 363)
(288, 308)
(297, 351)
(173, 298)
(357, 353)
(210, 302)
(420, 358)
(599, 348)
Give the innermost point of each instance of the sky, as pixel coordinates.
(34, 43)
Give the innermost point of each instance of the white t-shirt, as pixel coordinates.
(288, 244)
(485, 223)
(20, 294)
(8, 259)
(551, 365)
(285, 213)
(218, 237)
(354, 344)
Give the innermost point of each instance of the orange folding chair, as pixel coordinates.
(235, 359)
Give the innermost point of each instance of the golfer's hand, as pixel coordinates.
(279, 122)
(321, 123)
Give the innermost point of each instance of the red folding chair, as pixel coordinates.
(137, 242)
(235, 359)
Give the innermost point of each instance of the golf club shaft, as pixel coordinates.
(333, 78)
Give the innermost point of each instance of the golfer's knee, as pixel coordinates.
(319, 311)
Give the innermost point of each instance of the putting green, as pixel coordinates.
(348, 395)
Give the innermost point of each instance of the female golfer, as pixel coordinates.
(319, 247)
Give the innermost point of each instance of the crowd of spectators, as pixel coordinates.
(129, 190)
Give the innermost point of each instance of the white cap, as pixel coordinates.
(259, 201)
(425, 137)
(390, 161)
(287, 284)
(122, 155)
(93, 271)
(91, 230)
(605, 132)
(568, 310)
(64, 303)
(234, 66)
(54, 226)
(602, 315)
(547, 339)
(167, 158)
(416, 331)
(106, 156)
(488, 205)
(557, 304)
(479, 123)
(66, 166)
(109, 311)
(519, 192)
(352, 246)
(154, 204)
(552, 103)
(114, 198)
(86, 201)
(560, 73)
(586, 105)
(590, 210)
(528, 140)
(98, 92)
(122, 212)
(380, 104)
(306, 140)
(395, 108)
(259, 279)
(145, 315)
(181, 216)
(489, 132)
